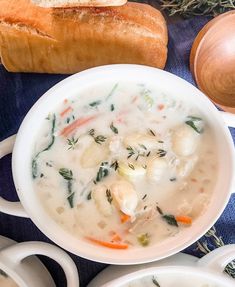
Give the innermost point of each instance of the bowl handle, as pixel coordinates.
(15, 254)
(218, 258)
(13, 208)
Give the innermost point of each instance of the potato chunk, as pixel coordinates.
(131, 171)
(184, 140)
(100, 197)
(94, 155)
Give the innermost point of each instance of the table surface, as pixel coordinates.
(18, 92)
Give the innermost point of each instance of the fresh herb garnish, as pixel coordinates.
(114, 165)
(112, 92)
(72, 143)
(152, 132)
(159, 210)
(155, 282)
(68, 176)
(161, 152)
(98, 139)
(48, 164)
(148, 154)
(102, 172)
(70, 199)
(89, 195)
(170, 219)
(109, 196)
(66, 173)
(34, 161)
(195, 123)
(113, 128)
(67, 120)
(143, 239)
(95, 104)
(137, 153)
(145, 93)
(143, 146)
(4, 274)
(131, 166)
(143, 198)
(112, 108)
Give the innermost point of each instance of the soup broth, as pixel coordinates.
(6, 281)
(171, 281)
(124, 165)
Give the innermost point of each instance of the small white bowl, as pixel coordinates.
(209, 269)
(70, 87)
(17, 260)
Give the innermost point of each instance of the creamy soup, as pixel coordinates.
(6, 281)
(171, 281)
(124, 165)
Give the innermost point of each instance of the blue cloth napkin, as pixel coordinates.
(18, 92)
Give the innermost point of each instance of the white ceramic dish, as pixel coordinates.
(22, 155)
(209, 269)
(17, 260)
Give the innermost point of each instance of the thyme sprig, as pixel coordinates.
(217, 241)
(190, 8)
(115, 165)
(72, 143)
(154, 280)
(113, 128)
(137, 153)
(109, 196)
(98, 139)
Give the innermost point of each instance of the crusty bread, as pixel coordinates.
(35, 39)
(76, 3)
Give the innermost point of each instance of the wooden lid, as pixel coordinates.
(212, 60)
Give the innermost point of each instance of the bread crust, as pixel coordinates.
(83, 3)
(56, 40)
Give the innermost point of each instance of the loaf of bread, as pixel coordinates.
(56, 40)
(76, 3)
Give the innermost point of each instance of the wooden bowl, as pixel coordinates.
(212, 60)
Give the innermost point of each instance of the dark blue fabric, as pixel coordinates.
(18, 92)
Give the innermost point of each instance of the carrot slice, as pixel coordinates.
(184, 219)
(116, 238)
(64, 112)
(108, 244)
(76, 124)
(161, 107)
(125, 218)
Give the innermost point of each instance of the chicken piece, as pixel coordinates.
(131, 171)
